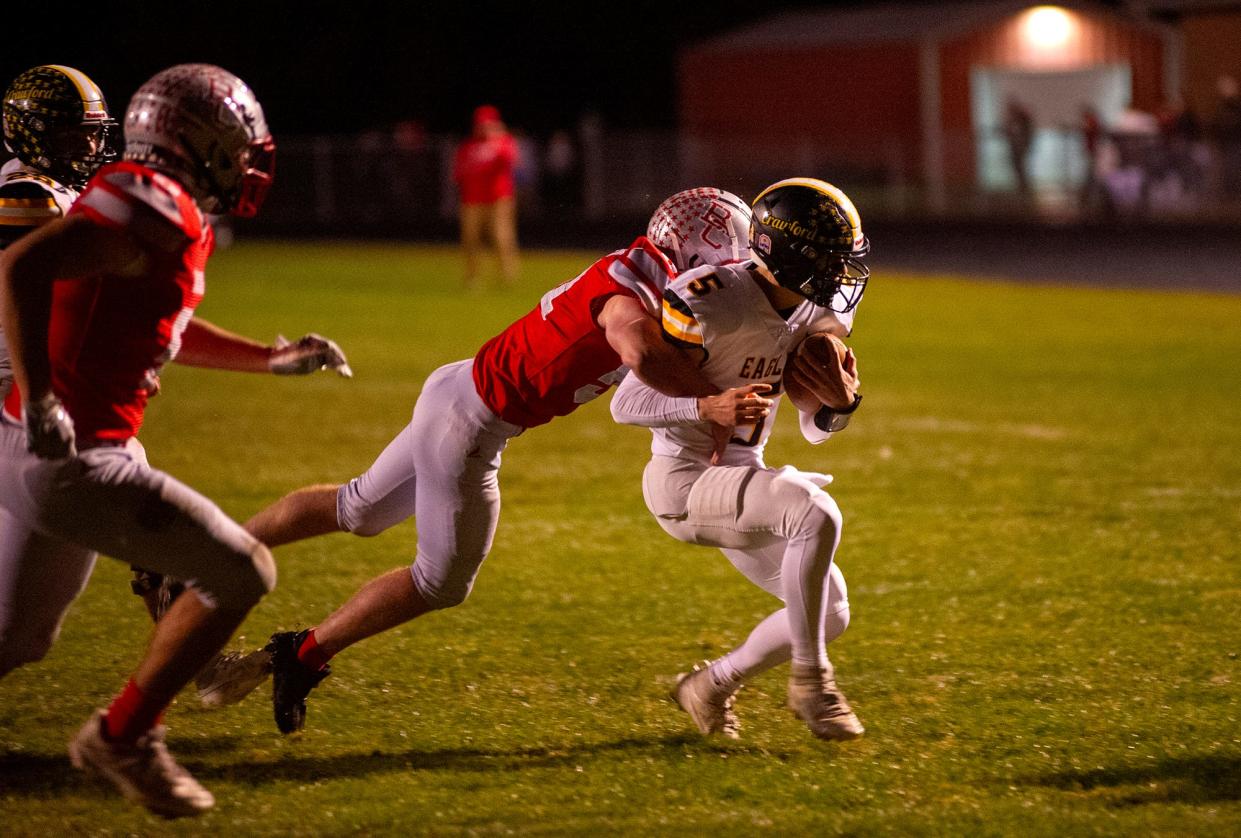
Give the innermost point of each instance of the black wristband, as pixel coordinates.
(830, 419)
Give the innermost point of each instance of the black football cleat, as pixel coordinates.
(291, 681)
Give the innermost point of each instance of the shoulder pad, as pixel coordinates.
(641, 269)
(680, 324)
(25, 204)
(146, 203)
(31, 199)
(24, 189)
(156, 191)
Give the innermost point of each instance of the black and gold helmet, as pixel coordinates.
(56, 121)
(808, 235)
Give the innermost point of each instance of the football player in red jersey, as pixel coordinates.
(57, 125)
(581, 338)
(93, 305)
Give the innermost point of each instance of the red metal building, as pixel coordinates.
(915, 93)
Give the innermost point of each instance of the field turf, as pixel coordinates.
(1042, 497)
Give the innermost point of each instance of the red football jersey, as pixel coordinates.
(483, 168)
(556, 357)
(109, 335)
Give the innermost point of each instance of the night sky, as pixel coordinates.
(353, 65)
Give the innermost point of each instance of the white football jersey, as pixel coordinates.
(28, 199)
(722, 310)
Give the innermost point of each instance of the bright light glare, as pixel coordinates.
(1047, 26)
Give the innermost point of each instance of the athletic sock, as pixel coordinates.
(130, 715)
(724, 674)
(313, 656)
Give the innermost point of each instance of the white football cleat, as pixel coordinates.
(143, 771)
(817, 701)
(231, 676)
(710, 707)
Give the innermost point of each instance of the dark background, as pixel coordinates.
(349, 67)
(355, 65)
(343, 67)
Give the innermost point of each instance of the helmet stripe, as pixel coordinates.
(92, 96)
(825, 188)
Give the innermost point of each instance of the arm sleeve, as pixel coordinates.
(636, 404)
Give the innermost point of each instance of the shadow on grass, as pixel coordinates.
(1211, 778)
(48, 775)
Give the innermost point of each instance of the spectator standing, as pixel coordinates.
(1018, 128)
(561, 186)
(1226, 131)
(483, 170)
(1092, 134)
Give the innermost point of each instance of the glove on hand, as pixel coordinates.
(308, 354)
(49, 429)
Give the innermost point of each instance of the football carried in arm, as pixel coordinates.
(821, 372)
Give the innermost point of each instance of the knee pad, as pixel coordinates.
(836, 623)
(837, 619)
(805, 505)
(441, 593)
(354, 516)
(244, 582)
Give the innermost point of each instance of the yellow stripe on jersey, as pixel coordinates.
(681, 327)
(28, 212)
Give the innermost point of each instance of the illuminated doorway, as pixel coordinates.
(1057, 161)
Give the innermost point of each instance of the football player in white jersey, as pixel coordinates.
(56, 124)
(777, 526)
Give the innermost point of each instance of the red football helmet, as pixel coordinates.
(204, 126)
(703, 226)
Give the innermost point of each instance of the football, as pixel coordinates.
(824, 349)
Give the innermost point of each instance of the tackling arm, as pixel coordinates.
(205, 344)
(639, 341)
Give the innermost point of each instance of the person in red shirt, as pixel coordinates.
(483, 172)
(94, 304)
(583, 337)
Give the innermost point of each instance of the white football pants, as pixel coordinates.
(443, 469)
(55, 515)
(776, 526)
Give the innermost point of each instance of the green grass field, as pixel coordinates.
(1041, 497)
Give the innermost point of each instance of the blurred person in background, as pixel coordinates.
(484, 169)
(1179, 179)
(1092, 138)
(527, 172)
(1018, 130)
(1226, 132)
(561, 183)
